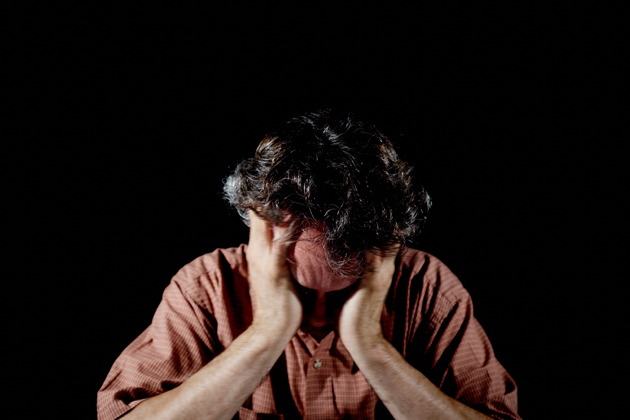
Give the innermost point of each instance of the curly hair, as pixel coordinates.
(336, 173)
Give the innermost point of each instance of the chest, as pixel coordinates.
(315, 381)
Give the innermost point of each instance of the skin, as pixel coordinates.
(405, 391)
(218, 389)
(322, 292)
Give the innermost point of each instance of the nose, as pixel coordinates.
(318, 318)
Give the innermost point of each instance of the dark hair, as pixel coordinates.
(337, 173)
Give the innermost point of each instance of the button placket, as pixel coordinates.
(321, 353)
(318, 383)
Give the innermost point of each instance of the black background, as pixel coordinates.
(136, 116)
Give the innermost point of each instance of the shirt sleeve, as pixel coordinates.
(459, 357)
(179, 342)
(470, 371)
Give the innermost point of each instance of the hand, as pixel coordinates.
(276, 304)
(403, 389)
(360, 318)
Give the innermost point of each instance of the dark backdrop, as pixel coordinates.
(143, 113)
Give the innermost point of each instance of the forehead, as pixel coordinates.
(310, 232)
(309, 267)
(309, 247)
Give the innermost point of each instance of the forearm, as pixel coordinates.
(218, 389)
(405, 391)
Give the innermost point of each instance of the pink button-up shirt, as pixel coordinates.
(427, 317)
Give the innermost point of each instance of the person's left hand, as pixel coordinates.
(360, 318)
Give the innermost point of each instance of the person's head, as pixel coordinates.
(345, 186)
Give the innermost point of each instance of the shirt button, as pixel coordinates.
(317, 364)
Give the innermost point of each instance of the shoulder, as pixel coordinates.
(220, 259)
(431, 276)
(207, 276)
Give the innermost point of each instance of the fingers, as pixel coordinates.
(377, 259)
(273, 238)
(259, 231)
(282, 236)
(285, 231)
(388, 253)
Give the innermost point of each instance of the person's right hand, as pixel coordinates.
(276, 304)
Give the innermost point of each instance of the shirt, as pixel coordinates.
(427, 316)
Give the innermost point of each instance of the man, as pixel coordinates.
(325, 313)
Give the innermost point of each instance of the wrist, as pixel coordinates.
(278, 315)
(265, 337)
(366, 347)
(277, 327)
(360, 333)
(361, 315)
